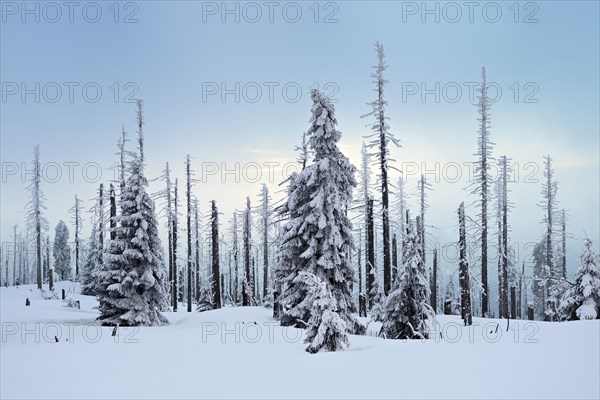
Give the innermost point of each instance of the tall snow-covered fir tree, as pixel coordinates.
(481, 184)
(318, 233)
(380, 140)
(35, 218)
(132, 280)
(582, 300)
(406, 313)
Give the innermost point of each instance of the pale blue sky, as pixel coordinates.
(170, 52)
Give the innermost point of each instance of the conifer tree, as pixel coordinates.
(132, 282)
(582, 299)
(407, 314)
(62, 251)
(319, 233)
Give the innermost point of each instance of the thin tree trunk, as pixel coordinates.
(175, 271)
(216, 282)
(434, 282)
(370, 267)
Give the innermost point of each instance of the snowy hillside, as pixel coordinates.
(243, 353)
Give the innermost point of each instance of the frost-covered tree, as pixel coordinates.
(75, 211)
(235, 256)
(62, 251)
(582, 300)
(265, 216)
(132, 279)
(216, 272)
(381, 139)
(188, 193)
(318, 233)
(94, 260)
(326, 329)
(464, 276)
(35, 218)
(407, 314)
(549, 205)
(481, 184)
(422, 188)
(174, 236)
(248, 283)
(503, 206)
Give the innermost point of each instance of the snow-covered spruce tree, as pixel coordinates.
(326, 329)
(93, 263)
(406, 313)
(319, 228)
(481, 184)
(62, 251)
(549, 205)
(381, 139)
(205, 303)
(35, 218)
(132, 280)
(582, 300)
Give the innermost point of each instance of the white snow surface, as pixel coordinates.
(243, 353)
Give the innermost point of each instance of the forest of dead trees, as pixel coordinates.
(165, 248)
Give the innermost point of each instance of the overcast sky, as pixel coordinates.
(230, 86)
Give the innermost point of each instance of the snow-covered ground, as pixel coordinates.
(243, 353)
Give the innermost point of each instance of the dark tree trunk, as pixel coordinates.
(394, 258)
(265, 255)
(189, 234)
(236, 260)
(175, 269)
(77, 223)
(513, 302)
(216, 282)
(370, 267)
(113, 213)
(101, 226)
(434, 281)
(362, 305)
(197, 261)
(247, 279)
(465, 287)
(530, 310)
(360, 282)
(504, 239)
